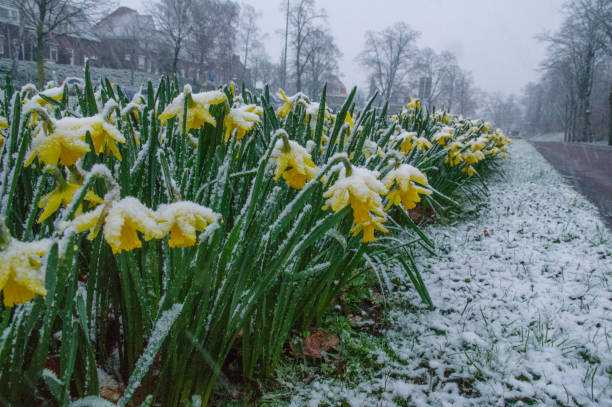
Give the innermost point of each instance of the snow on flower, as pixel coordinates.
(63, 195)
(403, 190)
(242, 118)
(183, 219)
(294, 163)
(362, 190)
(21, 277)
(123, 220)
(197, 108)
(64, 145)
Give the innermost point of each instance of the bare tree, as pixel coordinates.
(303, 19)
(322, 56)
(440, 69)
(174, 18)
(49, 18)
(579, 45)
(387, 56)
(249, 35)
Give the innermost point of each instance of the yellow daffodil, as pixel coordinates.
(405, 192)
(349, 120)
(368, 227)
(478, 144)
(361, 189)
(105, 136)
(414, 104)
(121, 223)
(52, 93)
(469, 170)
(407, 139)
(472, 157)
(62, 195)
(283, 111)
(20, 275)
(197, 108)
(422, 143)
(183, 219)
(242, 118)
(443, 135)
(294, 163)
(3, 125)
(65, 144)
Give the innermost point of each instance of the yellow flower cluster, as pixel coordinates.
(122, 220)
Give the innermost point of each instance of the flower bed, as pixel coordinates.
(145, 237)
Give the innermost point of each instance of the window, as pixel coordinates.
(141, 61)
(127, 57)
(4, 12)
(1, 44)
(53, 53)
(183, 73)
(71, 55)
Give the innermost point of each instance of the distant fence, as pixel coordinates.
(27, 72)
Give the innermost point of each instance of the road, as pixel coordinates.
(588, 167)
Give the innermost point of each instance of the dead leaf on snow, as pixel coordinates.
(319, 342)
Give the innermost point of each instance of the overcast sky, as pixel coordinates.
(492, 38)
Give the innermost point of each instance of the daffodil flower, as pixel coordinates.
(361, 189)
(183, 219)
(293, 162)
(442, 136)
(3, 125)
(403, 190)
(422, 143)
(368, 228)
(21, 277)
(121, 223)
(243, 119)
(64, 145)
(407, 139)
(197, 108)
(283, 111)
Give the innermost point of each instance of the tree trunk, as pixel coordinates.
(40, 56)
(177, 49)
(610, 119)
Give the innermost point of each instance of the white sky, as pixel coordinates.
(492, 38)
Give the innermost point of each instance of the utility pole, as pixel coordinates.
(610, 119)
(284, 61)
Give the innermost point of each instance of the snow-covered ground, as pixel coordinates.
(523, 291)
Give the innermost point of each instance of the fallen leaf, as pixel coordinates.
(319, 342)
(110, 389)
(486, 233)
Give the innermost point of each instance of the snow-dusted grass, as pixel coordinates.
(523, 293)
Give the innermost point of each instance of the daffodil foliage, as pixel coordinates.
(141, 238)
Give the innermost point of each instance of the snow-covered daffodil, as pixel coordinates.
(362, 190)
(63, 195)
(368, 227)
(242, 118)
(65, 144)
(293, 162)
(408, 138)
(21, 277)
(105, 137)
(183, 219)
(403, 190)
(422, 143)
(122, 221)
(197, 108)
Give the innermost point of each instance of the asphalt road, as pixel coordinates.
(588, 167)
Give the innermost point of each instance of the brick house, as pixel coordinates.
(71, 45)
